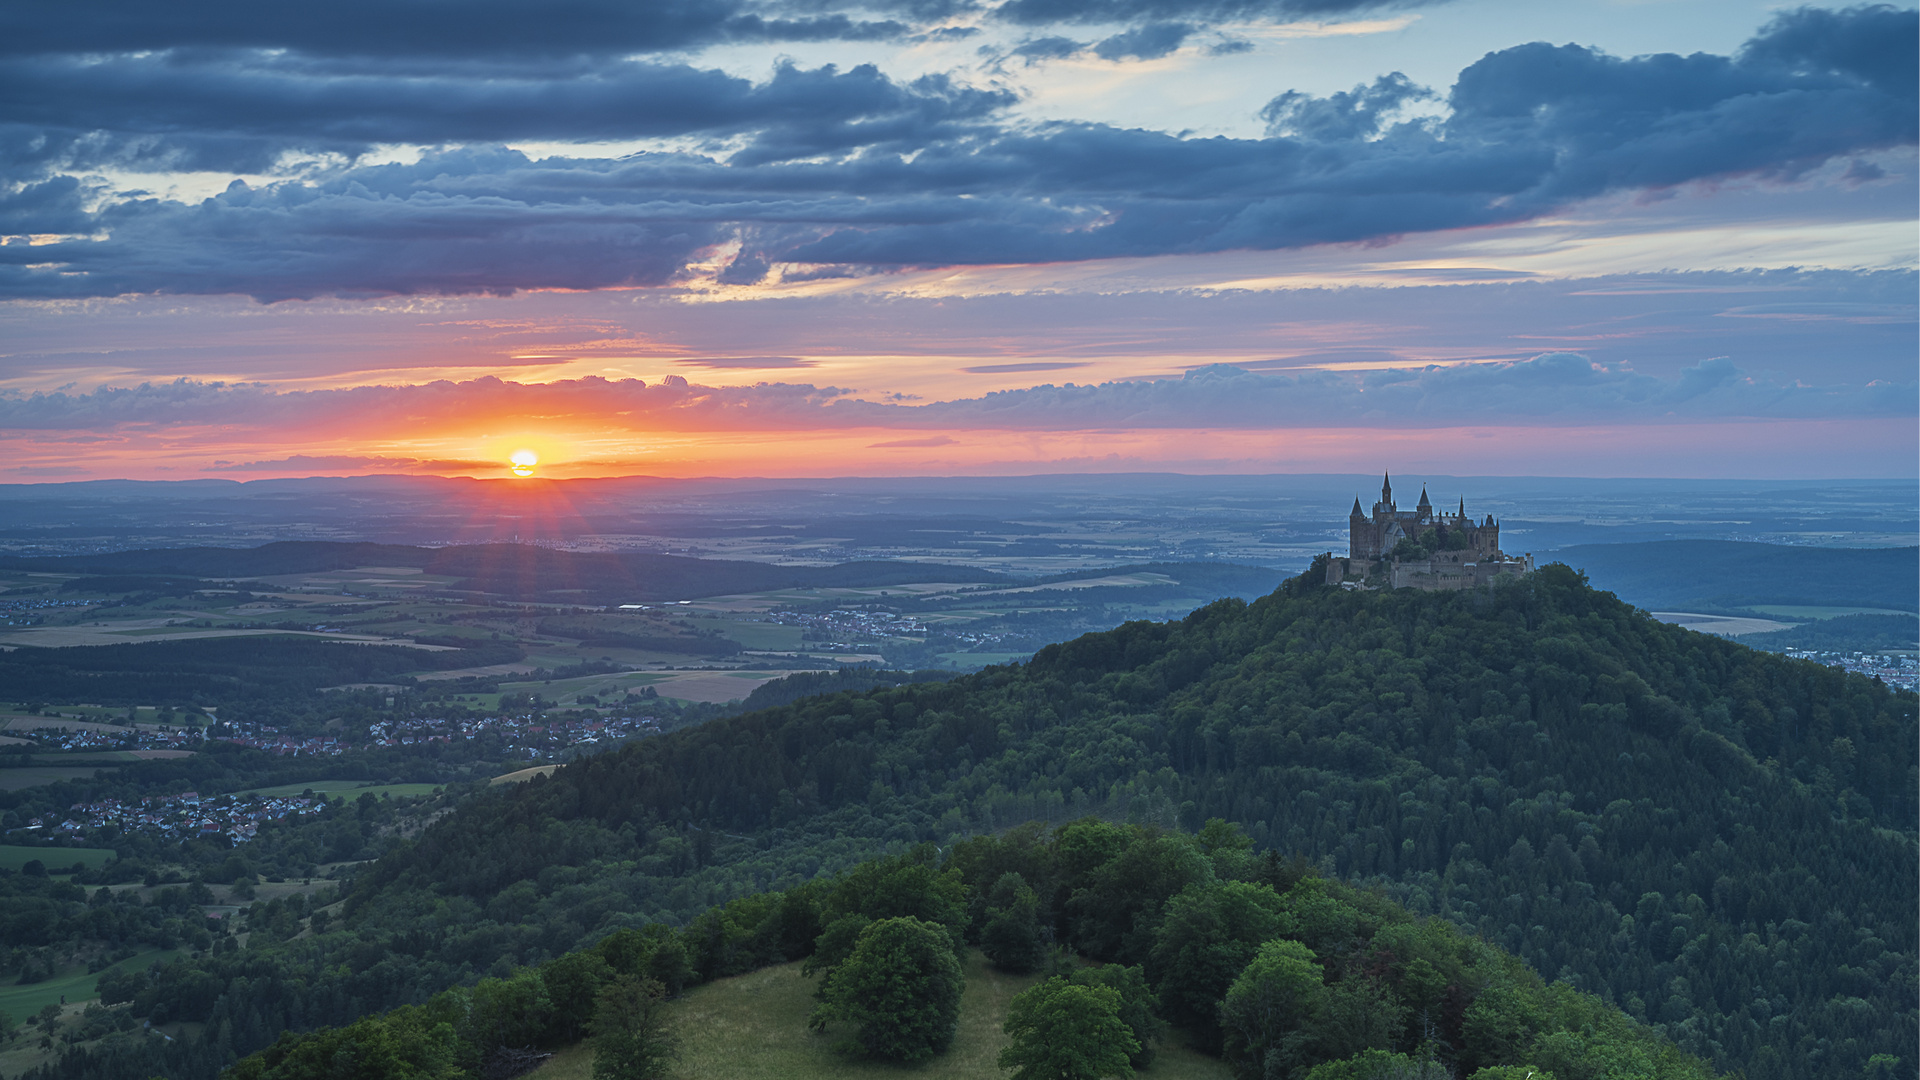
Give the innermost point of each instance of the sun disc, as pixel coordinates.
(521, 462)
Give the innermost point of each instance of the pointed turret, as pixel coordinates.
(1386, 489)
(1463, 508)
(1426, 505)
(1356, 508)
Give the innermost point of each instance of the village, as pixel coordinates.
(525, 735)
(185, 816)
(1902, 672)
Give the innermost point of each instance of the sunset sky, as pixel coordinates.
(884, 237)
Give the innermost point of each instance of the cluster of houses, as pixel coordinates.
(527, 733)
(1899, 672)
(94, 738)
(184, 816)
(844, 627)
(25, 612)
(263, 737)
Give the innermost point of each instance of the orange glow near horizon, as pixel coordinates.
(1725, 449)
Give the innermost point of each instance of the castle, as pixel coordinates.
(1421, 549)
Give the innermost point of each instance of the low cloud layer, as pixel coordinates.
(1549, 388)
(827, 171)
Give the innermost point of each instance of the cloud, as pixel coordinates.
(1042, 12)
(829, 171)
(1558, 387)
(521, 29)
(241, 112)
(1034, 50)
(350, 463)
(1344, 116)
(1008, 369)
(1150, 41)
(901, 444)
(748, 362)
(480, 28)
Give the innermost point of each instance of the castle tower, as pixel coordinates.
(1360, 534)
(1425, 510)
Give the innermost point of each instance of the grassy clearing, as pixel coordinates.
(754, 1027)
(77, 985)
(14, 856)
(523, 774)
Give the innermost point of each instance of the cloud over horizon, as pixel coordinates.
(1550, 387)
(830, 170)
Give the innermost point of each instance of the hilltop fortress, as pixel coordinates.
(1420, 549)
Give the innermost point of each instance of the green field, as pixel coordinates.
(77, 985)
(754, 1027)
(13, 856)
(754, 635)
(345, 789)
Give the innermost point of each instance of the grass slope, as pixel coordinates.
(754, 1027)
(73, 986)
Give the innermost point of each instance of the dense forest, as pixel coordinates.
(1720, 842)
(1257, 959)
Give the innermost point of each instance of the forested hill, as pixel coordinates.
(1721, 841)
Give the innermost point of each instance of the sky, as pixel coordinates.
(941, 237)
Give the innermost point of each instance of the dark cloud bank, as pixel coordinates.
(495, 29)
(847, 170)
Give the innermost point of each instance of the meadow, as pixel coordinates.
(15, 856)
(754, 1027)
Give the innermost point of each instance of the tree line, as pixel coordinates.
(1288, 975)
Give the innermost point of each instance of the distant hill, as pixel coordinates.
(1691, 574)
(519, 571)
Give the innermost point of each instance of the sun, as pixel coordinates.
(522, 462)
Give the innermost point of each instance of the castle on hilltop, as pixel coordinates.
(1421, 549)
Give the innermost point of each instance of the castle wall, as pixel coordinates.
(1371, 537)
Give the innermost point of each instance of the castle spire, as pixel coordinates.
(1386, 489)
(1463, 507)
(1356, 508)
(1425, 504)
